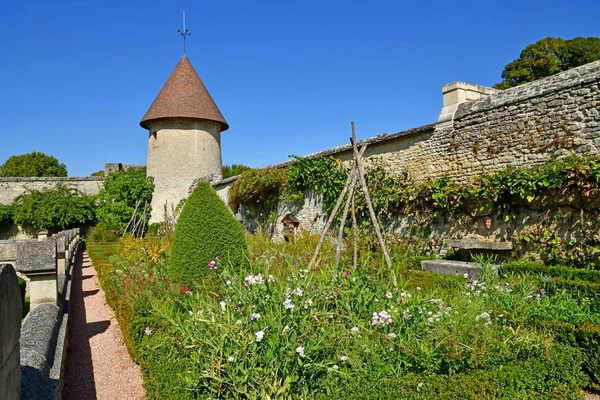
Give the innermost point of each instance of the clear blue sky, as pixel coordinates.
(76, 77)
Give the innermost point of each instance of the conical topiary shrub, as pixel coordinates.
(206, 229)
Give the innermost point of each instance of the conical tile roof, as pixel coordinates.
(184, 96)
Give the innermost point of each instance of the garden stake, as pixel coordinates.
(344, 216)
(354, 232)
(333, 213)
(361, 174)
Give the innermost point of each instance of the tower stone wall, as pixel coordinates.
(181, 151)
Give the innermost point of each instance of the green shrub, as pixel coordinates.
(538, 267)
(58, 208)
(556, 376)
(233, 170)
(206, 229)
(585, 337)
(579, 289)
(6, 216)
(102, 233)
(118, 198)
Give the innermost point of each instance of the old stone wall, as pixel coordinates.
(523, 126)
(10, 188)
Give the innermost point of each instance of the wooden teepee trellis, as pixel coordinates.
(356, 173)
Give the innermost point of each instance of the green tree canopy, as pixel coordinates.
(548, 57)
(32, 164)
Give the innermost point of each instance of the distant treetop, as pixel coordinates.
(233, 170)
(33, 164)
(548, 57)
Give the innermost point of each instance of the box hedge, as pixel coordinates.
(537, 267)
(206, 229)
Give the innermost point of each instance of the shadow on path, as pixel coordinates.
(79, 369)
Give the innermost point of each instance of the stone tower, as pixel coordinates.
(184, 142)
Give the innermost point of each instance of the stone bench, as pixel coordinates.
(451, 267)
(468, 248)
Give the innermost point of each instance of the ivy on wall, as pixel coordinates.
(573, 183)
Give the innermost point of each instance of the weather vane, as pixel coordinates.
(185, 32)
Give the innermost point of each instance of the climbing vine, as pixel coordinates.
(572, 183)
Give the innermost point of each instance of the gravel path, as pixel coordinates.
(98, 365)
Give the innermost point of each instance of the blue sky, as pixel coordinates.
(76, 77)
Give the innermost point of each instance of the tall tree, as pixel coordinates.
(548, 57)
(32, 164)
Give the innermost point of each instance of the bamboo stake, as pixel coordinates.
(363, 182)
(137, 204)
(330, 220)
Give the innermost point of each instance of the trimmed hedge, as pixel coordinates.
(580, 289)
(537, 267)
(586, 337)
(206, 229)
(558, 376)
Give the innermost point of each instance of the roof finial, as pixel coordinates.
(184, 33)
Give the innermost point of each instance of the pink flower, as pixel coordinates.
(148, 331)
(293, 265)
(346, 274)
(317, 266)
(217, 258)
(589, 303)
(542, 291)
(211, 265)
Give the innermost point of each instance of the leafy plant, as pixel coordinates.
(120, 193)
(58, 208)
(233, 170)
(206, 230)
(33, 164)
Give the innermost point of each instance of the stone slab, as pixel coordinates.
(33, 257)
(470, 244)
(451, 267)
(10, 332)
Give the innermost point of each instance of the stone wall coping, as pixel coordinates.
(36, 257)
(578, 76)
(53, 179)
(38, 342)
(341, 149)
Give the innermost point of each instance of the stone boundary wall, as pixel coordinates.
(10, 188)
(524, 126)
(47, 264)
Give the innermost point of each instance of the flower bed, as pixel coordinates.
(286, 331)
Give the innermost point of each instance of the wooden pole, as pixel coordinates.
(344, 215)
(330, 220)
(363, 182)
(355, 234)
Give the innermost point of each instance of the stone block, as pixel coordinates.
(38, 342)
(36, 257)
(450, 267)
(10, 332)
(470, 244)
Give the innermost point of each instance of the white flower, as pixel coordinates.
(300, 351)
(392, 335)
(253, 280)
(308, 303)
(343, 358)
(238, 322)
(388, 295)
(382, 318)
(259, 336)
(335, 367)
(223, 305)
(288, 304)
(254, 316)
(228, 282)
(354, 330)
(230, 359)
(286, 328)
(298, 292)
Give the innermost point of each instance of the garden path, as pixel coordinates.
(98, 365)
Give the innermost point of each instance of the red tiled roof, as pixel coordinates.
(184, 96)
